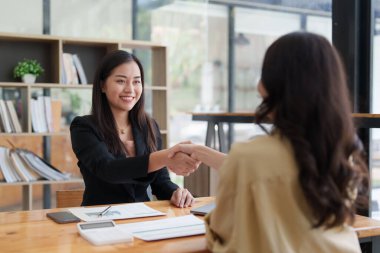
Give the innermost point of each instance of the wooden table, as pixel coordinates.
(32, 231)
(368, 230)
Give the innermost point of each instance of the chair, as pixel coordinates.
(69, 198)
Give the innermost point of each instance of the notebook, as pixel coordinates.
(203, 210)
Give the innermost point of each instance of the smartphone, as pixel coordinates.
(203, 210)
(63, 217)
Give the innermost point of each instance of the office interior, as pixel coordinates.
(214, 54)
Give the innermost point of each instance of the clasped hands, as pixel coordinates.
(182, 160)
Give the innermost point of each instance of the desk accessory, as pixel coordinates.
(103, 232)
(203, 210)
(63, 217)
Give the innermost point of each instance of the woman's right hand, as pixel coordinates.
(181, 162)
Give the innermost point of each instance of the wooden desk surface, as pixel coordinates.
(32, 231)
(366, 227)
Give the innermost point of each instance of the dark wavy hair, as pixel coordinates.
(101, 110)
(309, 104)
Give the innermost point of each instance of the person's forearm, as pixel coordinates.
(158, 160)
(210, 156)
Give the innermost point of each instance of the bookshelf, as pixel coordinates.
(48, 51)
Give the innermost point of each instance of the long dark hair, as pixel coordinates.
(309, 103)
(102, 112)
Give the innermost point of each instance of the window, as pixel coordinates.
(256, 27)
(375, 108)
(196, 36)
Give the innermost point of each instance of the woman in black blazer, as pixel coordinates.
(118, 145)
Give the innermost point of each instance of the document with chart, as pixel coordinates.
(166, 228)
(114, 212)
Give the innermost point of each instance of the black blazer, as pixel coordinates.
(113, 179)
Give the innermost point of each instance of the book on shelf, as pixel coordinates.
(63, 77)
(70, 72)
(38, 115)
(34, 115)
(79, 67)
(56, 112)
(41, 114)
(9, 122)
(5, 117)
(46, 114)
(18, 165)
(13, 115)
(2, 178)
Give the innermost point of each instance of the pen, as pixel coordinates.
(104, 212)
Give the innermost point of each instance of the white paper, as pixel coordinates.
(166, 228)
(127, 211)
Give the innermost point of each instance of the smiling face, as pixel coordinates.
(123, 87)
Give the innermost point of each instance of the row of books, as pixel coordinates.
(22, 165)
(46, 114)
(72, 70)
(9, 122)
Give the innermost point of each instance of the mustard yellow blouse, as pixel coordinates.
(260, 206)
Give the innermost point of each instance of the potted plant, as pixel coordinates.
(28, 70)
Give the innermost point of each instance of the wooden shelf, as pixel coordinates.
(42, 182)
(45, 85)
(34, 134)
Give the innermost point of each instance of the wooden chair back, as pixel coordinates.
(69, 198)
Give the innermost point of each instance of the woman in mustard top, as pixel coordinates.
(293, 190)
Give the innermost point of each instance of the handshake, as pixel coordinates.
(185, 158)
(182, 159)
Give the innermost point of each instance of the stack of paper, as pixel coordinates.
(127, 211)
(166, 228)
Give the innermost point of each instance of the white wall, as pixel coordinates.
(21, 16)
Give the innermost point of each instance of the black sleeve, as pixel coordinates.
(162, 186)
(93, 154)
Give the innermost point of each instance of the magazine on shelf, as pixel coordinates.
(10, 174)
(41, 167)
(23, 165)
